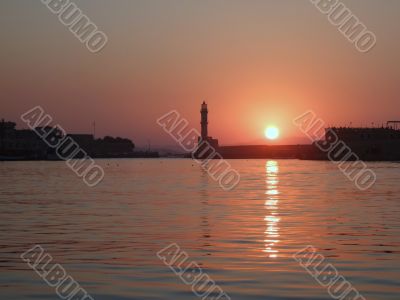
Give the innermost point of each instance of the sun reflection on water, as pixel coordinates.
(271, 205)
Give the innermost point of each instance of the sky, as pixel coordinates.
(257, 63)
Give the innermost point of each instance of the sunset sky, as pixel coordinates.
(257, 63)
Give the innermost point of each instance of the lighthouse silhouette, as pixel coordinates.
(204, 121)
(204, 128)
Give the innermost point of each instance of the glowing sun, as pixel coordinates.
(272, 133)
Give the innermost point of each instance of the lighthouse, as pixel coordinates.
(204, 127)
(204, 121)
(206, 144)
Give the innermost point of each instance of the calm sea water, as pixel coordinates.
(107, 237)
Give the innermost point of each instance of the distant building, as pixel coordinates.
(113, 147)
(49, 137)
(380, 143)
(85, 141)
(348, 134)
(42, 143)
(204, 127)
(204, 139)
(368, 144)
(20, 143)
(7, 136)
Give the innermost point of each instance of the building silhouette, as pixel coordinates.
(204, 128)
(41, 144)
(204, 121)
(369, 144)
(207, 146)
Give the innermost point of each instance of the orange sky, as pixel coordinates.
(256, 63)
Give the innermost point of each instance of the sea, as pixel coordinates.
(107, 237)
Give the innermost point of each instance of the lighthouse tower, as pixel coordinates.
(205, 141)
(204, 127)
(204, 121)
